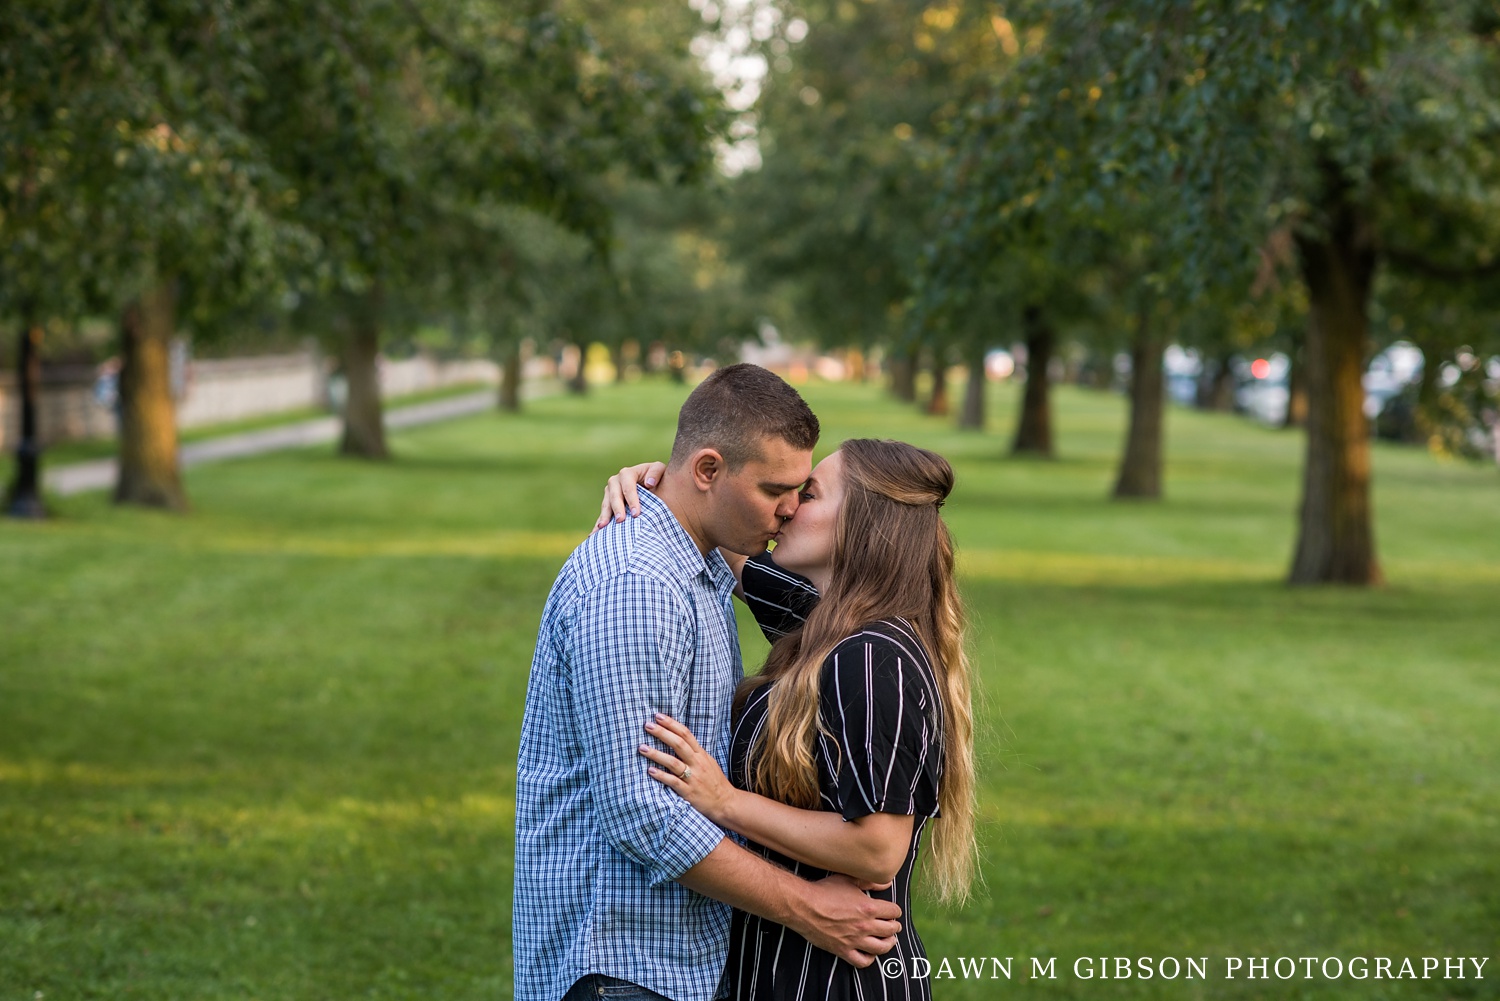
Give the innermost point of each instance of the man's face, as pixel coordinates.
(749, 504)
(807, 542)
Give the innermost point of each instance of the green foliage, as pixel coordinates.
(252, 149)
(125, 156)
(847, 124)
(1208, 127)
(677, 282)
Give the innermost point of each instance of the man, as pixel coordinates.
(622, 889)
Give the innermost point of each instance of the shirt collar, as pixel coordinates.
(681, 549)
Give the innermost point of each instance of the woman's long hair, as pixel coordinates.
(892, 557)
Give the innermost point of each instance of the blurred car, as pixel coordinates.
(1390, 372)
(1183, 370)
(1262, 385)
(1261, 388)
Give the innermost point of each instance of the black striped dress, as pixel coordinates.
(880, 703)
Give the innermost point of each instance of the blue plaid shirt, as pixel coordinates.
(638, 622)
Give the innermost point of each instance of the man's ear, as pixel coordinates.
(705, 466)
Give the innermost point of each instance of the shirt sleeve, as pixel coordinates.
(630, 654)
(779, 599)
(882, 709)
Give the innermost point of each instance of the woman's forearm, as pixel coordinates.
(871, 848)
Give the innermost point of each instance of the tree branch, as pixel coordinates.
(1424, 266)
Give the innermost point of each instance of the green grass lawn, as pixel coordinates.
(267, 750)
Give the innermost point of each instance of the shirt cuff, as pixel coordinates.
(689, 838)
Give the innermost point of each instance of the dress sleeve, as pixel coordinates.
(779, 599)
(881, 706)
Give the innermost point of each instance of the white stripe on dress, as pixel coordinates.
(844, 725)
(900, 715)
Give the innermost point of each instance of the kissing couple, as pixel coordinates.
(686, 832)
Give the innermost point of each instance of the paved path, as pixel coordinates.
(100, 474)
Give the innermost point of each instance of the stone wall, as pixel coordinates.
(233, 389)
(74, 405)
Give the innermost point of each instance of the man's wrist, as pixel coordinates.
(789, 902)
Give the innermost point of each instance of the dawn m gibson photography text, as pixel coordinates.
(1189, 968)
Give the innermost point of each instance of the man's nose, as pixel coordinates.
(787, 507)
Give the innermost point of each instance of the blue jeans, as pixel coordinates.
(597, 987)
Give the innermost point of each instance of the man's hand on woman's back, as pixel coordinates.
(847, 922)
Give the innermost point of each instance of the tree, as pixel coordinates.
(478, 110)
(141, 189)
(1140, 474)
(1399, 139)
(1367, 129)
(37, 220)
(839, 207)
(1023, 218)
(1034, 427)
(179, 160)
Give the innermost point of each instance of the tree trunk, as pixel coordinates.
(149, 471)
(24, 498)
(1336, 541)
(364, 421)
(1221, 390)
(972, 414)
(1296, 386)
(855, 368)
(1140, 469)
(618, 357)
(937, 402)
(904, 375)
(510, 378)
(1215, 387)
(1427, 385)
(1034, 430)
(579, 383)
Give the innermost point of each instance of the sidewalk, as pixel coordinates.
(100, 474)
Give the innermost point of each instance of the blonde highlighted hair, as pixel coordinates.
(893, 557)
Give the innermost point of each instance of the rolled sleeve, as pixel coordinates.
(690, 836)
(631, 655)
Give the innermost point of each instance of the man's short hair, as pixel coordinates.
(735, 409)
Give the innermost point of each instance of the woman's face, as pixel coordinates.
(805, 543)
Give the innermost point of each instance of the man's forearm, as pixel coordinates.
(748, 882)
(833, 914)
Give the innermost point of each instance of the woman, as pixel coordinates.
(854, 735)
